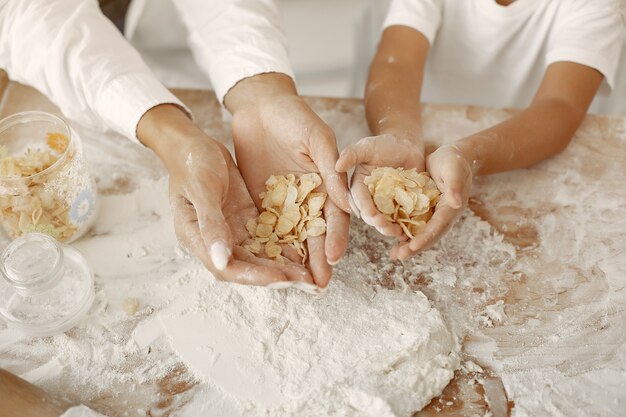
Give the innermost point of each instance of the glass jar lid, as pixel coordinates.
(47, 287)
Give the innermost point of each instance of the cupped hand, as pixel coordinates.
(373, 152)
(452, 172)
(279, 134)
(210, 203)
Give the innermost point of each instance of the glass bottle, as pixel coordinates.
(45, 185)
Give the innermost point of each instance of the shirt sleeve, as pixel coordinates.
(421, 15)
(235, 39)
(588, 33)
(73, 54)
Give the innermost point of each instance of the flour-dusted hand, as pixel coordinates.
(209, 200)
(452, 172)
(368, 154)
(277, 133)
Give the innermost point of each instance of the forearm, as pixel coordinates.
(19, 398)
(538, 132)
(392, 96)
(392, 105)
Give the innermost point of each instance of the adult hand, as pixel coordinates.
(452, 172)
(372, 152)
(276, 133)
(209, 200)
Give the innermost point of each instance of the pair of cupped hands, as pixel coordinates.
(212, 198)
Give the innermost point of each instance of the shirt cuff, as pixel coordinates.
(591, 59)
(81, 411)
(226, 73)
(127, 98)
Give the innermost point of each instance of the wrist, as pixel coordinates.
(164, 127)
(409, 133)
(469, 154)
(258, 88)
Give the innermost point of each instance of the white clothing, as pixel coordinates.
(487, 54)
(70, 51)
(228, 40)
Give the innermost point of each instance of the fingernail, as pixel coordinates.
(353, 207)
(307, 288)
(220, 254)
(368, 220)
(280, 285)
(333, 263)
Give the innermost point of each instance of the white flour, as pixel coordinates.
(134, 254)
(371, 343)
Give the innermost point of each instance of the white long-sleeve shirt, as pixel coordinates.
(69, 51)
(208, 43)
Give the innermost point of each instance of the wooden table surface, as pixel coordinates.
(566, 218)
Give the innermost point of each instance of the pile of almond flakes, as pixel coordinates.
(404, 196)
(292, 213)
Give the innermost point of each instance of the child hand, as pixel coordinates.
(452, 173)
(370, 153)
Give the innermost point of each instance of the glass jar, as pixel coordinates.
(45, 185)
(47, 287)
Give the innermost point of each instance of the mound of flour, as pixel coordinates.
(371, 345)
(356, 350)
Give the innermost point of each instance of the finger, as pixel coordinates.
(318, 263)
(353, 206)
(292, 271)
(436, 227)
(337, 232)
(291, 254)
(362, 197)
(324, 154)
(453, 178)
(385, 227)
(347, 159)
(214, 229)
(369, 212)
(452, 189)
(359, 153)
(236, 271)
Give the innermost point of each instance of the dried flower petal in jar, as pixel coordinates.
(45, 185)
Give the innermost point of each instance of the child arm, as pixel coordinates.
(392, 95)
(541, 130)
(393, 112)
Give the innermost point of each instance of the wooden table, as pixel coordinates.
(566, 306)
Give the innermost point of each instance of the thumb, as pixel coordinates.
(215, 231)
(359, 153)
(324, 154)
(452, 178)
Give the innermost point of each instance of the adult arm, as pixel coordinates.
(241, 46)
(73, 54)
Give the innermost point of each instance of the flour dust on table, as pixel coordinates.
(371, 345)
